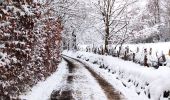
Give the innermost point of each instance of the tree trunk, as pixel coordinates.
(106, 36)
(106, 45)
(120, 48)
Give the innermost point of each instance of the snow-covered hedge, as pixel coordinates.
(29, 45)
(149, 82)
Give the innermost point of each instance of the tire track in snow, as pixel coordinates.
(79, 84)
(107, 88)
(65, 94)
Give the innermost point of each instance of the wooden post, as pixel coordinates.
(150, 51)
(118, 54)
(127, 49)
(145, 58)
(125, 56)
(103, 51)
(95, 50)
(163, 57)
(137, 50)
(133, 57)
(98, 51)
(145, 61)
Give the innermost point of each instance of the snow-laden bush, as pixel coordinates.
(29, 45)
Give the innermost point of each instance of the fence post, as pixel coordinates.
(125, 56)
(163, 57)
(145, 58)
(98, 51)
(145, 61)
(137, 50)
(102, 51)
(127, 48)
(133, 57)
(150, 51)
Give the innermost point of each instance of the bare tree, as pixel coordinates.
(154, 7)
(73, 20)
(113, 17)
(167, 19)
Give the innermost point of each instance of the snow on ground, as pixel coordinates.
(43, 90)
(129, 94)
(84, 86)
(157, 50)
(147, 82)
(156, 47)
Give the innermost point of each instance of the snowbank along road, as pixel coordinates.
(83, 83)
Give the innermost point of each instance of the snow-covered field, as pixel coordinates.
(156, 50)
(153, 51)
(156, 47)
(136, 82)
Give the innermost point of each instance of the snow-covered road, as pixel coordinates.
(89, 82)
(74, 80)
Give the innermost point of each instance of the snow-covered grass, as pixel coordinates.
(157, 54)
(146, 82)
(43, 89)
(156, 49)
